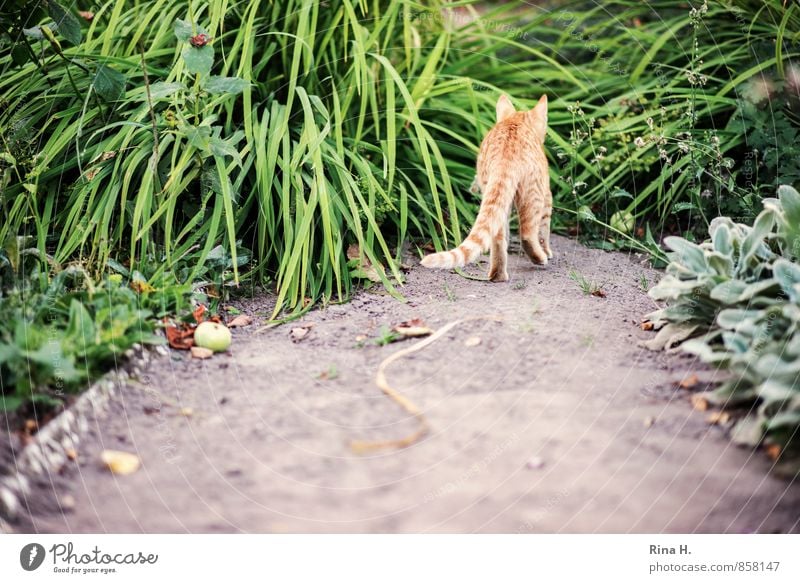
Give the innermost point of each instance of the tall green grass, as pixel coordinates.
(328, 144)
(357, 123)
(674, 112)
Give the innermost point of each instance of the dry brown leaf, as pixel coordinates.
(699, 402)
(472, 341)
(689, 381)
(599, 293)
(647, 326)
(180, 336)
(201, 353)
(354, 252)
(718, 418)
(239, 321)
(199, 313)
(120, 462)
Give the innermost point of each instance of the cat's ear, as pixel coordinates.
(539, 116)
(504, 108)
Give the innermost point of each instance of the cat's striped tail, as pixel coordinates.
(491, 219)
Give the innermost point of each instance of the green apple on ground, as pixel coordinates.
(213, 336)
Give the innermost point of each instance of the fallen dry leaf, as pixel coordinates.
(773, 451)
(647, 326)
(599, 293)
(413, 328)
(297, 334)
(179, 335)
(239, 321)
(472, 341)
(699, 402)
(120, 462)
(689, 381)
(201, 353)
(354, 252)
(718, 418)
(199, 313)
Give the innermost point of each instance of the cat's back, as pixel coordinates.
(511, 140)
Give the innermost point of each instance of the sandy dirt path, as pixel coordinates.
(555, 422)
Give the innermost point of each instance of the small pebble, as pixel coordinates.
(67, 503)
(535, 463)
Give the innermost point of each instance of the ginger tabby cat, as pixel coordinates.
(512, 167)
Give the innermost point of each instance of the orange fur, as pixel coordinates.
(512, 167)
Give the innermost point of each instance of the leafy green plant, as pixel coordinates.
(59, 332)
(738, 296)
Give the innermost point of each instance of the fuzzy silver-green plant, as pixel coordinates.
(738, 296)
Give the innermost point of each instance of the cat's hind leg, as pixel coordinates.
(530, 224)
(544, 233)
(498, 255)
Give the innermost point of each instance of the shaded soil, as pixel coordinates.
(555, 422)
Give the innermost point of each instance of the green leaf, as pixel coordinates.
(109, 84)
(222, 148)
(722, 240)
(80, 332)
(162, 90)
(199, 60)
(184, 30)
(688, 253)
(734, 319)
(787, 274)
(231, 85)
(10, 402)
(720, 263)
(67, 24)
(19, 54)
(728, 292)
(790, 201)
(683, 206)
(35, 32)
(199, 137)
